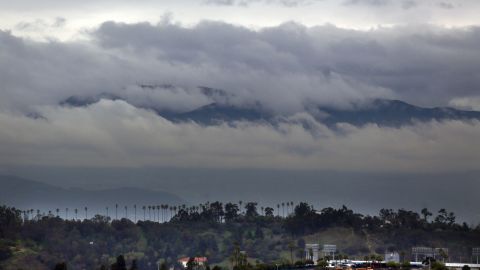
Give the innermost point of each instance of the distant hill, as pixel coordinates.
(25, 194)
(383, 112)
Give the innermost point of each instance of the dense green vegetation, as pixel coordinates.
(217, 231)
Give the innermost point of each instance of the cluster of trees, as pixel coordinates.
(215, 230)
(306, 219)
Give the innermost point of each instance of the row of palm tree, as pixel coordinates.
(290, 208)
(157, 213)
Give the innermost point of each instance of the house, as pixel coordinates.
(200, 261)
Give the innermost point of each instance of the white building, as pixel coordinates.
(392, 257)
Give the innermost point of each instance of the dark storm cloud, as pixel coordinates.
(422, 64)
(426, 65)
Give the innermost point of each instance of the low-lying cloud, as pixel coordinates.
(116, 134)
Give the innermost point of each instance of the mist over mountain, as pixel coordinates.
(222, 108)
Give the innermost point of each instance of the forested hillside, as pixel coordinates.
(215, 229)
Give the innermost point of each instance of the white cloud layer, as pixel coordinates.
(114, 133)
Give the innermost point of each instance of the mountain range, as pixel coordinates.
(383, 112)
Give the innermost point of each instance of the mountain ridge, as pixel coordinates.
(383, 112)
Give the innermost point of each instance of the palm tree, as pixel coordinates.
(149, 214)
(166, 212)
(76, 212)
(158, 213)
(58, 211)
(283, 209)
(116, 211)
(86, 212)
(66, 213)
(291, 205)
(107, 210)
(126, 212)
(143, 207)
(135, 212)
(278, 209)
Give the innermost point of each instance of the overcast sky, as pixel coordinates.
(278, 53)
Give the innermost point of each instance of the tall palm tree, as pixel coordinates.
(144, 208)
(291, 205)
(283, 209)
(106, 208)
(126, 212)
(158, 213)
(166, 211)
(86, 212)
(116, 211)
(66, 213)
(149, 213)
(278, 209)
(58, 211)
(76, 212)
(135, 213)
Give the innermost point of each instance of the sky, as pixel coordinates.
(281, 54)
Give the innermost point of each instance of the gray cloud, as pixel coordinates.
(416, 63)
(446, 5)
(405, 4)
(40, 25)
(425, 65)
(116, 134)
(368, 2)
(287, 3)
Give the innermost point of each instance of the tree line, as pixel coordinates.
(215, 230)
